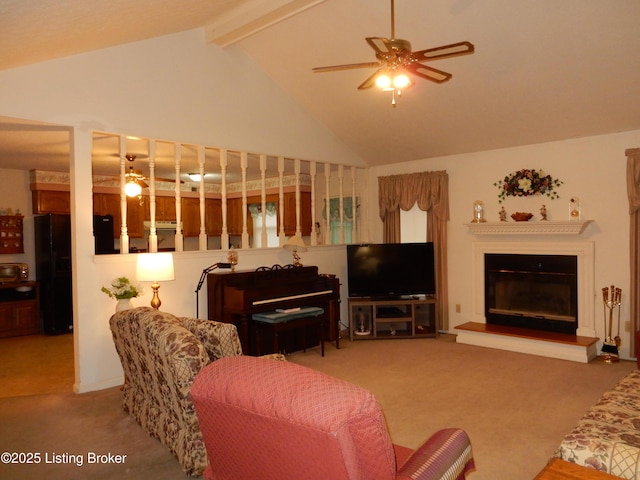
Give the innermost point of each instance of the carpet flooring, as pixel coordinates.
(515, 407)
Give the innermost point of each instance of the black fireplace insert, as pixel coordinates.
(532, 291)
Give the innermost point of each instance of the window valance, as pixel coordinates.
(430, 190)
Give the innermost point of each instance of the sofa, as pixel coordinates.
(161, 355)
(607, 437)
(282, 421)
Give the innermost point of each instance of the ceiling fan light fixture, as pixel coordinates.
(383, 81)
(401, 81)
(132, 189)
(194, 177)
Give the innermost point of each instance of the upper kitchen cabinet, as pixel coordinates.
(51, 201)
(165, 208)
(109, 204)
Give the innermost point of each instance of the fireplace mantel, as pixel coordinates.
(541, 227)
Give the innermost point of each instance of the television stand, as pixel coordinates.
(374, 318)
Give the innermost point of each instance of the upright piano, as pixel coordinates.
(234, 296)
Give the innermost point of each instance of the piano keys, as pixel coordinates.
(234, 296)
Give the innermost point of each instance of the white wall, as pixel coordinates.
(593, 169)
(176, 88)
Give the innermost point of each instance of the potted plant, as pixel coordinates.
(122, 290)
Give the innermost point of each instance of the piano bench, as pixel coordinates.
(276, 322)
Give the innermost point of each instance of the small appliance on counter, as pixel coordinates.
(14, 272)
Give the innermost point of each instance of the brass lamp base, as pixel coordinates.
(155, 301)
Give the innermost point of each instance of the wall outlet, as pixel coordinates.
(458, 308)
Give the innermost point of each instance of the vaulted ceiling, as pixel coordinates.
(542, 71)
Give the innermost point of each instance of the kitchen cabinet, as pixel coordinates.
(235, 217)
(51, 201)
(213, 216)
(165, 209)
(19, 313)
(290, 214)
(109, 204)
(191, 217)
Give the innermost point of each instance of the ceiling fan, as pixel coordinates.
(396, 60)
(135, 181)
(134, 175)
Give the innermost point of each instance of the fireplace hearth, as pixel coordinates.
(532, 291)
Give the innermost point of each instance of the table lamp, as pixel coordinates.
(155, 267)
(295, 244)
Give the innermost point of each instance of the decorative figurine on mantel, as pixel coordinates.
(503, 215)
(478, 212)
(543, 212)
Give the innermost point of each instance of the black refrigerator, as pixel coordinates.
(53, 272)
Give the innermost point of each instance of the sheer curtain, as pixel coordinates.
(633, 191)
(430, 190)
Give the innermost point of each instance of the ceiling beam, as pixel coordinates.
(251, 16)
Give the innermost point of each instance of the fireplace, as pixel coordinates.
(584, 253)
(532, 291)
(540, 342)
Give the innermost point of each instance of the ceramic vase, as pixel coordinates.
(124, 304)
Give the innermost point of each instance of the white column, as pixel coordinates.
(124, 234)
(224, 236)
(281, 234)
(179, 242)
(263, 193)
(327, 177)
(153, 234)
(341, 201)
(314, 232)
(202, 238)
(245, 232)
(354, 207)
(296, 169)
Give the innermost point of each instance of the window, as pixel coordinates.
(413, 225)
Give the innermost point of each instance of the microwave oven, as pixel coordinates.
(14, 272)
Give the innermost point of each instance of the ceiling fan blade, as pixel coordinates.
(371, 81)
(453, 50)
(346, 67)
(380, 44)
(142, 183)
(428, 73)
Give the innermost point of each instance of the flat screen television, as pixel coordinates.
(391, 269)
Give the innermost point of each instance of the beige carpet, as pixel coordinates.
(515, 407)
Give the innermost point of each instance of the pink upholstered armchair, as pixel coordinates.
(266, 420)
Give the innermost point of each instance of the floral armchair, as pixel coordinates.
(161, 354)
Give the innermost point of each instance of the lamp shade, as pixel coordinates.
(295, 244)
(155, 267)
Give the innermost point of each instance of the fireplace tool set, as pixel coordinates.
(611, 298)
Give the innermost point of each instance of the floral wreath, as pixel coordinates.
(526, 182)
